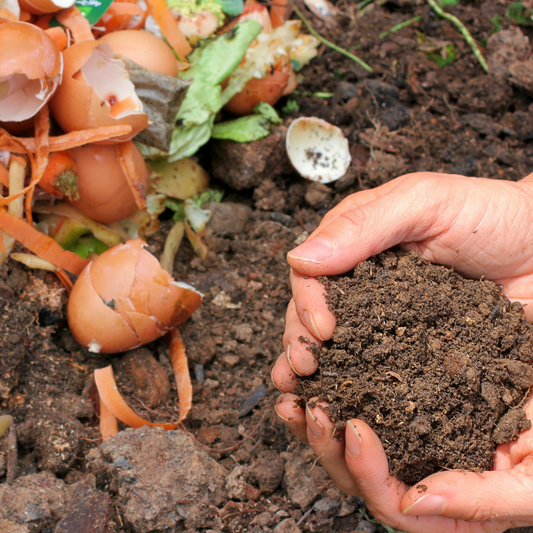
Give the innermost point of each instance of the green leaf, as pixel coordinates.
(213, 60)
(247, 129)
(446, 3)
(446, 56)
(290, 107)
(518, 13)
(86, 245)
(231, 7)
(210, 195)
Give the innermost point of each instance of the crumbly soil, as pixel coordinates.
(436, 364)
(410, 114)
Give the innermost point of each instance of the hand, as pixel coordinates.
(481, 228)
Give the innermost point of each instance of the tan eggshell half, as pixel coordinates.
(145, 49)
(104, 192)
(77, 104)
(93, 323)
(41, 7)
(30, 70)
(126, 299)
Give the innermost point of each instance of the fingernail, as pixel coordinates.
(313, 425)
(288, 355)
(285, 420)
(272, 379)
(353, 445)
(316, 250)
(309, 323)
(430, 504)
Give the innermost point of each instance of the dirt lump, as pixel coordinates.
(436, 364)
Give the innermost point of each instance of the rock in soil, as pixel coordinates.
(436, 364)
(32, 503)
(162, 478)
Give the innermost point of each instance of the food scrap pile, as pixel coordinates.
(101, 108)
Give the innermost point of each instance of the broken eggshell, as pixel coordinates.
(30, 70)
(124, 299)
(9, 10)
(96, 91)
(104, 193)
(42, 7)
(317, 150)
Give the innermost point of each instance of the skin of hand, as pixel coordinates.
(482, 228)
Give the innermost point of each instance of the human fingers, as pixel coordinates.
(412, 205)
(367, 463)
(311, 307)
(292, 415)
(283, 375)
(301, 360)
(497, 495)
(485, 497)
(329, 447)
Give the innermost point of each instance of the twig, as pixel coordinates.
(399, 27)
(329, 43)
(365, 7)
(11, 455)
(463, 29)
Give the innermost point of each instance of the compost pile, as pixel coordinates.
(436, 364)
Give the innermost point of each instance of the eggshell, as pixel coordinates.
(81, 103)
(118, 300)
(145, 49)
(30, 70)
(41, 7)
(317, 149)
(269, 90)
(93, 323)
(104, 193)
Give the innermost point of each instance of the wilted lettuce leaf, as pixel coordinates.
(213, 60)
(247, 129)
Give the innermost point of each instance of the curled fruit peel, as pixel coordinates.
(124, 299)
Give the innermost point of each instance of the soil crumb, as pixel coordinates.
(438, 365)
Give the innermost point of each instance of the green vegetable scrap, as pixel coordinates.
(189, 7)
(520, 14)
(250, 128)
(213, 60)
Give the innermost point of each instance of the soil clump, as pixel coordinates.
(438, 365)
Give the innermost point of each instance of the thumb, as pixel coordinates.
(409, 211)
(489, 496)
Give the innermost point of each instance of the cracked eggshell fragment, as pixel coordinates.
(317, 150)
(104, 193)
(321, 8)
(96, 91)
(124, 299)
(41, 7)
(13, 7)
(31, 66)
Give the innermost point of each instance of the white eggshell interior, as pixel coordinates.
(21, 98)
(109, 78)
(317, 150)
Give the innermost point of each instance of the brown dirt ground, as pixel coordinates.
(250, 474)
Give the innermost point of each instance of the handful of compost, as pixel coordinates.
(438, 365)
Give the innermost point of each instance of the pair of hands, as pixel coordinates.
(481, 228)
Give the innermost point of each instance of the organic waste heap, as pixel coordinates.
(436, 364)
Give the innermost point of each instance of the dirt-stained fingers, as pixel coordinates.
(291, 413)
(299, 357)
(309, 297)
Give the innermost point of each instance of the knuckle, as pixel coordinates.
(479, 512)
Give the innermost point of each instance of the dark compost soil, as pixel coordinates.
(251, 475)
(436, 364)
